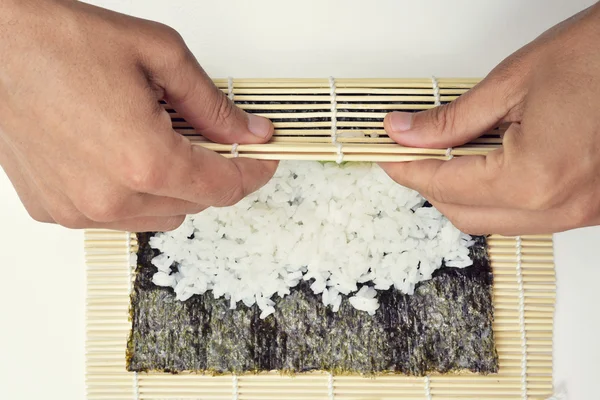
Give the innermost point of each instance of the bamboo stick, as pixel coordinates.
(346, 138)
(333, 157)
(494, 135)
(313, 148)
(347, 82)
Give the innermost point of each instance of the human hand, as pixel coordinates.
(83, 137)
(546, 177)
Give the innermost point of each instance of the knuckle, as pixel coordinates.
(444, 118)
(538, 202)
(502, 75)
(583, 212)
(536, 186)
(180, 54)
(466, 225)
(166, 44)
(510, 72)
(174, 45)
(233, 191)
(146, 176)
(222, 111)
(171, 34)
(541, 196)
(459, 223)
(69, 218)
(164, 34)
(230, 196)
(580, 216)
(101, 208)
(35, 210)
(508, 86)
(39, 215)
(435, 190)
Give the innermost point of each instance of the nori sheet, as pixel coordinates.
(446, 326)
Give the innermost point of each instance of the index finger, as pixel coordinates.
(467, 180)
(180, 170)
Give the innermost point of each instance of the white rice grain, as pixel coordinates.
(349, 230)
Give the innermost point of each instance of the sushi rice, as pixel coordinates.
(349, 230)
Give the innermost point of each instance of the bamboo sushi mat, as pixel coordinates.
(523, 297)
(319, 120)
(337, 119)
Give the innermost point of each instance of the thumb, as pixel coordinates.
(193, 94)
(453, 124)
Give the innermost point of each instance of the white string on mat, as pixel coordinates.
(427, 388)
(332, 89)
(522, 319)
(334, 135)
(340, 154)
(330, 390)
(234, 150)
(437, 101)
(436, 91)
(136, 387)
(234, 147)
(230, 88)
(130, 266)
(235, 393)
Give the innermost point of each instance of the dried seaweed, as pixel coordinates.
(446, 326)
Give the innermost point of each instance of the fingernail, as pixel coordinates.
(400, 121)
(259, 126)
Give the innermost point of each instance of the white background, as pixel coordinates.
(42, 293)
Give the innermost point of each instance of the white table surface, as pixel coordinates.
(42, 293)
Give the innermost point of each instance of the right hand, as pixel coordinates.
(545, 177)
(83, 137)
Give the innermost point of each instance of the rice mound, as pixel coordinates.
(348, 229)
